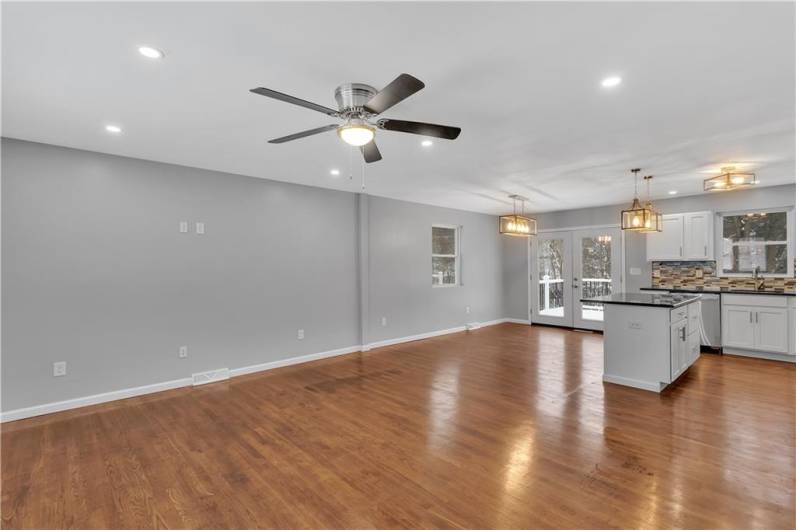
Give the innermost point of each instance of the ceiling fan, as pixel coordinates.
(358, 104)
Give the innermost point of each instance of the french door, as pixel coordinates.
(568, 265)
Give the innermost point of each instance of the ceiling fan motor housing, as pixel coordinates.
(353, 96)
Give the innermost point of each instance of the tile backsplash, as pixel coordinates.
(690, 274)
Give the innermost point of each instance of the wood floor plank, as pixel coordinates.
(508, 426)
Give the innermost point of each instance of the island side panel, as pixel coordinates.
(636, 346)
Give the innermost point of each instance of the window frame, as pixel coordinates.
(457, 256)
(789, 243)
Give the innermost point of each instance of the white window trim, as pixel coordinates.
(790, 242)
(457, 256)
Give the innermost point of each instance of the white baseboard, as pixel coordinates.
(517, 321)
(635, 383)
(292, 360)
(58, 406)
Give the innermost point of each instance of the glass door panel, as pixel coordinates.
(552, 270)
(597, 272)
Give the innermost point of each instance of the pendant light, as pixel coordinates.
(517, 225)
(655, 222)
(637, 218)
(729, 180)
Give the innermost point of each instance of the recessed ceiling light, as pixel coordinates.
(150, 53)
(334, 172)
(611, 81)
(115, 129)
(426, 143)
(672, 192)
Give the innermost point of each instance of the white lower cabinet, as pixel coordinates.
(684, 345)
(756, 322)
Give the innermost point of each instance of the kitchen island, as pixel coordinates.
(650, 339)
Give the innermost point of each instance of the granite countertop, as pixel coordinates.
(645, 299)
(717, 291)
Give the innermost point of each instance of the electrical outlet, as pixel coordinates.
(183, 227)
(383, 321)
(200, 228)
(183, 353)
(634, 325)
(467, 309)
(300, 334)
(59, 369)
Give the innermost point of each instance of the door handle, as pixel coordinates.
(706, 250)
(682, 334)
(757, 317)
(750, 317)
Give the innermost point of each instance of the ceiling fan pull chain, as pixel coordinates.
(363, 175)
(350, 164)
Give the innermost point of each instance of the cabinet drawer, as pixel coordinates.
(757, 300)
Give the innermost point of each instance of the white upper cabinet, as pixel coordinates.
(698, 235)
(667, 245)
(685, 236)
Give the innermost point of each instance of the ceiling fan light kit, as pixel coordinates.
(517, 224)
(637, 218)
(357, 104)
(729, 179)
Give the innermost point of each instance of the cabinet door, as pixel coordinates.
(667, 245)
(693, 347)
(678, 350)
(698, 235)
(738, 327)
(772, 329)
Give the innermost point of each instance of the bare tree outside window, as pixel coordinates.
(755, 241)
(444, 255)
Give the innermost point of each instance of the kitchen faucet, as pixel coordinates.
(760, 282)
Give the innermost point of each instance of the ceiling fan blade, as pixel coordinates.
(267, 92)
(423, 129)
(303, 134)
(371, 152)
(401, 88)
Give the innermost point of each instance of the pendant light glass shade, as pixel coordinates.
(729, 180)
(637, 218)
(517, 225)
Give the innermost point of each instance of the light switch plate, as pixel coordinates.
(635, 271)
(183, 227)
(200, 228)
(300, 334)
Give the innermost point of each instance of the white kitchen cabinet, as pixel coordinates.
(756, 322)
(679, 348)
(698, 235)
(772, 329)
(685, 236)
(668, 244)
(739, 327)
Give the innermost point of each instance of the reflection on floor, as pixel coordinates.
(508, 426)
(588, 313)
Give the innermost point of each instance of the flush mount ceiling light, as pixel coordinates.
(637, 218)
(426, 143)
(517, 225)
(729, 179)
(611, 81)
(334, 172)
(655, 221)
(356, 132)
(150, 53)
(115, 129)
(672, 192)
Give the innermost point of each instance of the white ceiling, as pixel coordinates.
(704, 84)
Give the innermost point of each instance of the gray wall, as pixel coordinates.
(515, 261)
(400, 270)
(96, 273)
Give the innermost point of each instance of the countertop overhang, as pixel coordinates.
(669, 301)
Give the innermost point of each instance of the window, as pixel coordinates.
(444, 255)
(756, 240)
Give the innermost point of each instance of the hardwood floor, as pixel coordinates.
(506, 427)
